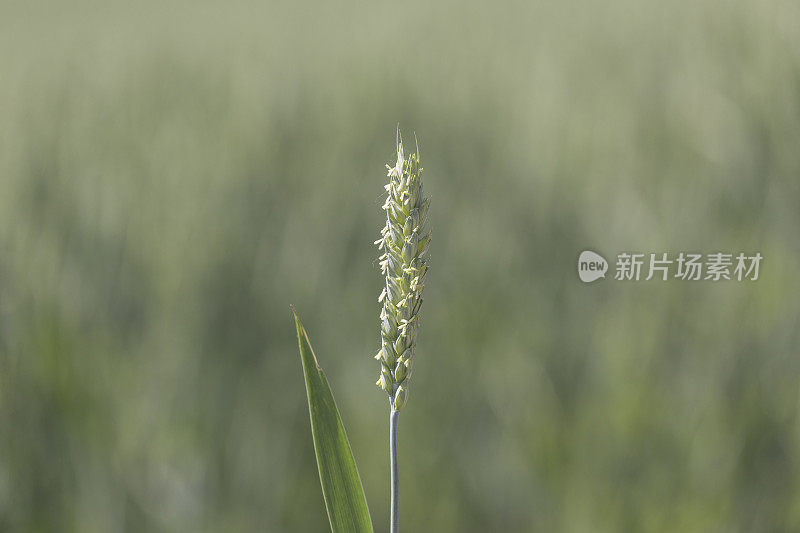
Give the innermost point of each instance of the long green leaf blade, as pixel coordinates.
(338, 474)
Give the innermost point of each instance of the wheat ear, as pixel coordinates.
(404, 241)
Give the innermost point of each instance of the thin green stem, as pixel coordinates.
(394, 490)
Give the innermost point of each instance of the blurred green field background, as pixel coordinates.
(174, 175)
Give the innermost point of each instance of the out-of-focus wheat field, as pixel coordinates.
(174, 174)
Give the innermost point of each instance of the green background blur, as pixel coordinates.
(174, 175)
